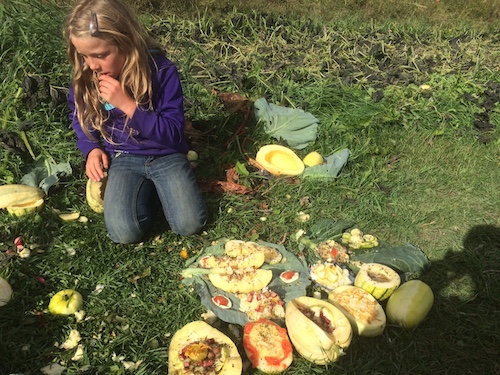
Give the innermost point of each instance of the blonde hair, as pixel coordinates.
(118, 26)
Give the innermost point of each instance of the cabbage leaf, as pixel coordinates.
(293, 125)
(331, 168)
(46, 173)
(197, 278)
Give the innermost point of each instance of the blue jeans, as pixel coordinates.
(135, 183)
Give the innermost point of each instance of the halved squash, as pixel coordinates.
(318, 330)
(366, 315)
(241, 281)
(279, 160)
(267, 346)
(198, 344)
(26, 208)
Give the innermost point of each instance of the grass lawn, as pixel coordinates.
(412, 91)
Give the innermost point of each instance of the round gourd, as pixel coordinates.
(377, 279)
(279, 160)
(5, 291)
(95, 194)
(366, 315)
(410, 303)
(65, 302)
(312, 159)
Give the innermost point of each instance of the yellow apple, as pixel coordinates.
(66, 302)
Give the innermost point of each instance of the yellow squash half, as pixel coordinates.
(279, 160)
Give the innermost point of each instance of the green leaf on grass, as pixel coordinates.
(331, 168)
(328, 229)
(296, 127)
(46, 173)
(241, 169)
(407, 259)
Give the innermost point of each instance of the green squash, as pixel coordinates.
(410, 303)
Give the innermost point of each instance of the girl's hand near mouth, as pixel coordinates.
(111, 91)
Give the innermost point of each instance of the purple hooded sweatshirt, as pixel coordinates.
(155, 132)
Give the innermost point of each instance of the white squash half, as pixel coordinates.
(366, 315)
(317, 329)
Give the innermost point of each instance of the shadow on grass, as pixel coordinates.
(461, 335)
(465, 316)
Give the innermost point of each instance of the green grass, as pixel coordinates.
(420, 171)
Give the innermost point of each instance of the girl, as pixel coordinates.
(126, 107)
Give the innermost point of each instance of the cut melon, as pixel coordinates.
(377, 279)
(318, 330)
(241, 261)
(27, 208)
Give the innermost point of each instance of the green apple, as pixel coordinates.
(65, 302)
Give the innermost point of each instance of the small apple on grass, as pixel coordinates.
(192, 155)
(65, 302)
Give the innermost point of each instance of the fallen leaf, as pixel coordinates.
(232, 175)
(232, 102)
(190, 130)
(221, 187)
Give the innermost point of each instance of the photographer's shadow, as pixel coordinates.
(465, 316)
